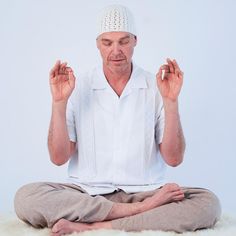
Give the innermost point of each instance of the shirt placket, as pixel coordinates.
(116, 159)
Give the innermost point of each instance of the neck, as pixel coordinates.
(118, 78)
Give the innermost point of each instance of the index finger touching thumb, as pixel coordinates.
(71, 75)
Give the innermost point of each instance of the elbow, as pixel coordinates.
(174, 161)
(58, 160)
(173, 158)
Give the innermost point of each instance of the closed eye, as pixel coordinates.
(124, 41)
(106, 42)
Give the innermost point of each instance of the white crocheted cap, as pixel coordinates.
(115, 18)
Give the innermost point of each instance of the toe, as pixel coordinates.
(58, 226)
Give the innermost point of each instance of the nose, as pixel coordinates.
(116, 49)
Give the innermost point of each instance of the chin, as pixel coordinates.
(118, 63)
(119, 67)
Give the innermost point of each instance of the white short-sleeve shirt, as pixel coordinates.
(117, 137)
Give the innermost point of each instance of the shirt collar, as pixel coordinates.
(137, 79)
(99, 80)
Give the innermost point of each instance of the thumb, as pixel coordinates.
(71, 78)
(158, 77)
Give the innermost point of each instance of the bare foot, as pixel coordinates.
(168, 193)
(63, 227)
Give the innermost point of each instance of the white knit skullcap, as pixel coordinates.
(115, 18)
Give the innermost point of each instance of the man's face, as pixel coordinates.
(116, 49)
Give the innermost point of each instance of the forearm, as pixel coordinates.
(159, 198)
(120, 210)
(58, 139)
(173, 142)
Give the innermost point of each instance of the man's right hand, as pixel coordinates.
(62, 82)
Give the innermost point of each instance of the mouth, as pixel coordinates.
(118, 60)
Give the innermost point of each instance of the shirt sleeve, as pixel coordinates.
(159, 129)
(70, 121)
(160, 119)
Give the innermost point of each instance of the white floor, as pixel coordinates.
(10, 226)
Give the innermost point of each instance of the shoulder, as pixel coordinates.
(86, 77)
(151, 84)
(83, 84)
(149, 77)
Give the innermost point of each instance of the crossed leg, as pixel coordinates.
(67, 209)
(168, 193)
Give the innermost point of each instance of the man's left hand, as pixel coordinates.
(171, 83)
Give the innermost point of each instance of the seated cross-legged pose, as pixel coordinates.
(119, 127)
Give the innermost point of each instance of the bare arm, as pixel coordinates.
(173, 144)
(62, 83)
(59, 146)
(168, 193)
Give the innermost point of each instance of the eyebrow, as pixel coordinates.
(109, 40)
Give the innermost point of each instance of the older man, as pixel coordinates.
(118, 126)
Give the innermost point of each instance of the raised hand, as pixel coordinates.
(62, 81)
(171, 83)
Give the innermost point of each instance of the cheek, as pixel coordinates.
(104, 54)
(129, 52)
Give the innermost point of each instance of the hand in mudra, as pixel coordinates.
(62, 81)
(171, 84)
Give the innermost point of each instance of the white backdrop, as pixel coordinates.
(199, 34)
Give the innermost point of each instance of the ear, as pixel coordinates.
(135, 40)
(97, 43)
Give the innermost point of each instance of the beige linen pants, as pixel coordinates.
(43, 204)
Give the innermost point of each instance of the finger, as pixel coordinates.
(68, 69)
(179, 72)
(177, 69)
(71, 78)
(55, 68)
(176, 64)
(179, 195)
(159, 77)
(170, 63)
(63, 67)
(172, 189)
(178, 192)
(165, 67)
(52, 74)
(165, 71)
(178, 198)
(167, 75)
(175, 187)
(170, 76)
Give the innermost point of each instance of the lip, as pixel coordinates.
(118, 60)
